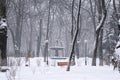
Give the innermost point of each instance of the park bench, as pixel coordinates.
(63, 63)
(60, 61)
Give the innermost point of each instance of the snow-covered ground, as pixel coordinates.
(38, 70)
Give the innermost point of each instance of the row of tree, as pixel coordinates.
(34, 26)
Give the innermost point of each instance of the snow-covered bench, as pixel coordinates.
(59, 61)
(63, 63)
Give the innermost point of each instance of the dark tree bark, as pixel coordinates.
(72, 32)
(101, 48)
(3, 33)
(3, 46)
(72, 54)
(98, 29)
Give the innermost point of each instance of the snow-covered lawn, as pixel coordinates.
(78, 72)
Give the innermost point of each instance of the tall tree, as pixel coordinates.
(72, 31)
(99, 49)
(99, 28)
(47, 35)
(72, 54)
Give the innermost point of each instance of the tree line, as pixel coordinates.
(34, 26)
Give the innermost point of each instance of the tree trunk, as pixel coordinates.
(3, 34)
(47, 38)
(72, 54)
(95, 50)
(39, 38)
(100, 48)
(98, 29)
(72, 32)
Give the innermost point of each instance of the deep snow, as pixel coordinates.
(38, 70)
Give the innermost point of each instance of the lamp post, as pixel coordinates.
(85, 41)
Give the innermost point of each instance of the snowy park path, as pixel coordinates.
(60, 73)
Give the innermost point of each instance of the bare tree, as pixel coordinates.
(72, 31)
(99, 49)
(99, 28)
(72, 54)
(47, 36)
